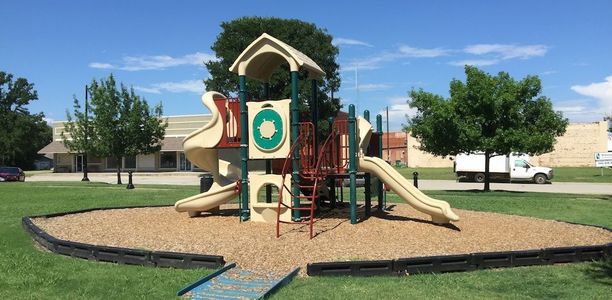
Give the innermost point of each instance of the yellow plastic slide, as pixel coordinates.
(440, 211)
(199, 149)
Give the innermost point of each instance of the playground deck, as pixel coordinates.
(399, 232)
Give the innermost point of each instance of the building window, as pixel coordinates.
(167, 160)
(111, 163)
(129, 162)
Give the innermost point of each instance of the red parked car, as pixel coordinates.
(11, 174)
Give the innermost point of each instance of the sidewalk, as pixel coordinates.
(191, 178)
(173, 178)
(554, 187)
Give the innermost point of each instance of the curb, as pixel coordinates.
(118, 255)
(465, 262)
(462, 262)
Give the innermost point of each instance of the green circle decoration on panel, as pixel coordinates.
(267, 129)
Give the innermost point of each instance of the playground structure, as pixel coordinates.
(303, 168)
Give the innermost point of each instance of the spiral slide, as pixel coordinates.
(199, 149)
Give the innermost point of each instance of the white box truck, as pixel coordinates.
(513, 167)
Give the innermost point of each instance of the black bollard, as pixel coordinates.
(415, 179)
(130, 184)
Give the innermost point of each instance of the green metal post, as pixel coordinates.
(352, 163)
(314, 115)
(244, 151)
(332, 190)
(381, 194)
(266, 87)
(295, 120)
(367, 192)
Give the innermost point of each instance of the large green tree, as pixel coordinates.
(121, 124)
(22, 134)
(306, 37)
(493, 114)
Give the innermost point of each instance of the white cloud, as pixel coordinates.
(505, 51)
(398, 99)
(571, 109)
(370, 63)
(489, 54)
(349, 42)
(374, 62)
(156, 62)
(97, 65)
(549, 72)
(371, 87)
(602, 91)
(580, 109)
(397, 114)
(149, 90)
(408, 51)
(474, 62)
(193, 86)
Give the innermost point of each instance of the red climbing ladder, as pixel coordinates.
(307, 179)
(314, 170)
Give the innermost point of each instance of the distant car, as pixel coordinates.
(11, 174)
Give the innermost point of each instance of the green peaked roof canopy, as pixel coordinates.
(261, 58)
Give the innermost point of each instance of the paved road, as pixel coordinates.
(189, 178)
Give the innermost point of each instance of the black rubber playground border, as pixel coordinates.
(116, 254)
(465, 262)
(461, 262)
(402, 266)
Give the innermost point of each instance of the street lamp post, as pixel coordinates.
(85, 178)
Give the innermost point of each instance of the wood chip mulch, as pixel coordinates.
(397, 233)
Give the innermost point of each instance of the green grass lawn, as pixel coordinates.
(586, 209)
(26, 272)
(562, 174)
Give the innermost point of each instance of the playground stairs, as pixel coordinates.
(315, 166)
(309, 179)
(232, 282)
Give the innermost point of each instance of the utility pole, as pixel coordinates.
(85, 178)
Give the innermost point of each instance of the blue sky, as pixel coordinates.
(386, 48)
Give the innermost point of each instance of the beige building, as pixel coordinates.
(575, 148)
(170, 158)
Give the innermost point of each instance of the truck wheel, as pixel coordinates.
(479, 177)
(540, 178)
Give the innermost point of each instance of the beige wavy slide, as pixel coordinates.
(440, 211)
(199, 149)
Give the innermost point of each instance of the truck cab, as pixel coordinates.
(521, 169)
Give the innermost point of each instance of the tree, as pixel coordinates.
(79, 129)
(306, 37)
(22, 134)
(121, 124)
(495, 115)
